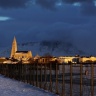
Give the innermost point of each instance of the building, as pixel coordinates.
(68, 59)
(93, 59)
(46, 59)
(36, 57)
(19, 55)
(85, 59)
(2, 59)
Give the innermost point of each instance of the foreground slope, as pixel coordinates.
(9, 87)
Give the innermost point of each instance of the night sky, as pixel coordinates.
(36, 20)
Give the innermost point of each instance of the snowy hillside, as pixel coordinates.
(55, 48)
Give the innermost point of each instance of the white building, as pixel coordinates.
(68, 59)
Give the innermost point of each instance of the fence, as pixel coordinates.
(61, 79)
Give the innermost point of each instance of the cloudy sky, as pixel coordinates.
(35, 20)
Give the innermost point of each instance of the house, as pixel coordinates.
(68, 59)
(84, 59)
(2, 59)
(46, 59)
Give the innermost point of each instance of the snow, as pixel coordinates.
(10, 87)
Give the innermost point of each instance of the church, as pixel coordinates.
(19, 55)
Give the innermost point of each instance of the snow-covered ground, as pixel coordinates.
(9, 87)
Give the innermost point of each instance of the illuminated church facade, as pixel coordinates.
(19, 55)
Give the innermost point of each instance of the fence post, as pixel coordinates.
(71, 79)
(3, 68)
(0, 68)
(17, 72)
(37, 74)
(50, 77)
(10, 70)
(92, 79)
(27, 75)
(19, 69)
(81, 70)
(41, 76)
(63, 79)
(33, 74)
(56, 79)
(30, 73)
(24, 72)
(45, 76)
(20, 72)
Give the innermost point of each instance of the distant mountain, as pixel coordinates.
(56, 48)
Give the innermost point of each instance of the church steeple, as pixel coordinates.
(14, 48)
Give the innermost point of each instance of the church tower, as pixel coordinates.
(14, 48)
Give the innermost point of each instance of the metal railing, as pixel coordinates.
(62, 79)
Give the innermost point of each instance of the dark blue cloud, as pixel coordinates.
(35, 23)
(73, 1)
(49, 4)
(13, 3)
(87, 6)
